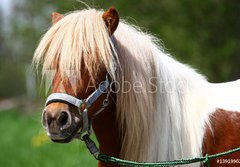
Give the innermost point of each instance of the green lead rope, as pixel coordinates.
(120, 162)
(116, 161)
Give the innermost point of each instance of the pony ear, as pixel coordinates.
(56, 17)
(111, 19)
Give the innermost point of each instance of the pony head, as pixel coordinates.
(78, 52)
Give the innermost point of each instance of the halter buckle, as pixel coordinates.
(83, 105)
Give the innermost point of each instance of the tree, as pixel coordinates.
(204, 34)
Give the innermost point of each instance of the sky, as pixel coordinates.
(5, 7)
(5, 10)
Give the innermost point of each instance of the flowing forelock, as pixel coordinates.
(80, 38)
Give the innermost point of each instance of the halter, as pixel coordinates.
(83, 105)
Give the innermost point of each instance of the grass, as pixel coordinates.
(24, 143)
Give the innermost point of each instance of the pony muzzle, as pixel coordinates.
(59, 125)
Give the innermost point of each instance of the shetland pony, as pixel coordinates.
(159, 109)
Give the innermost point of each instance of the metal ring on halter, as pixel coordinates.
(105, 102)
(83, 105)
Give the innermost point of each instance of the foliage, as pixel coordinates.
(204, 34)
(24, 143)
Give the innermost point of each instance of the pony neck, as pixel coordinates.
(107, 133)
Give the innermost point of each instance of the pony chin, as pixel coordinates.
(67, 140)
(74, 135)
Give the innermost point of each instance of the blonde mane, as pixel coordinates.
(79, 38)
(161, 121)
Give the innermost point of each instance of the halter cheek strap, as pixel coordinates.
(63, 97)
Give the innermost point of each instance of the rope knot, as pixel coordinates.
(206, 161)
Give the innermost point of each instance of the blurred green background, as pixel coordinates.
(204, 34)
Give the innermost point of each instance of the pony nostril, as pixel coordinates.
(49, 121)
(46, 119)
(63, 118)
